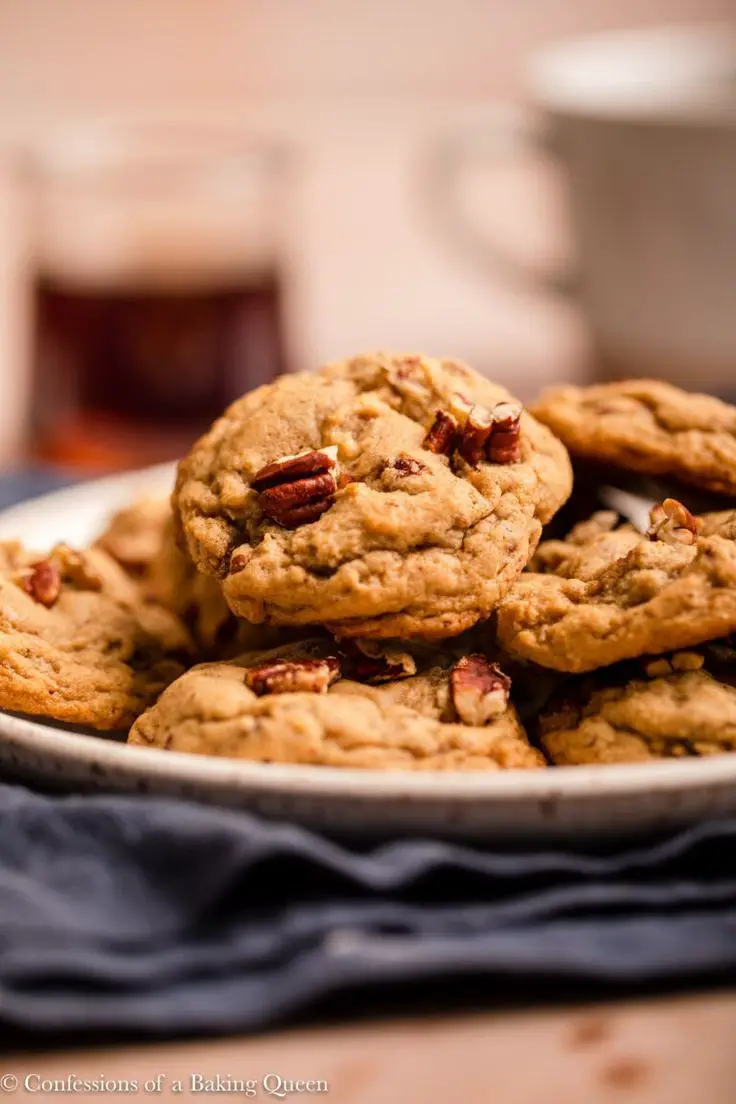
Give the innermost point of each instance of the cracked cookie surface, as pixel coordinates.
(621, 595)
(631, 720)
(649, 427)
(404, 541)
(77, 642)
(406, 724)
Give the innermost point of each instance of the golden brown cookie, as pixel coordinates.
(589, 546)
(622, 719)
(385, 496)
(624, 594)
(135, 534)
(77, 642)
(141, 538)
(293, 705)
(649, 427)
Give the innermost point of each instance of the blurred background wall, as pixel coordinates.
(361, 90)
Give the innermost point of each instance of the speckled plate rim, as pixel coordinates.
(75, 513)
(140, 762)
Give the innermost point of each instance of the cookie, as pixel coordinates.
(78, 643)
(589, 546)
(681, 713)
(385, 496)
(135, 534)
(623, 594)
(141, 538)
(648, 427)
(294, 705)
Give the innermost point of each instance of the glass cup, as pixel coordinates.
(157, 288)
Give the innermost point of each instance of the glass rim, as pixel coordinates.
(126, 151)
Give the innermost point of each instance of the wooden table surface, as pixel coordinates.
(679, 1050)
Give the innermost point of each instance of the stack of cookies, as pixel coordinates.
(640, 619)
(374, 513)
(355, 555)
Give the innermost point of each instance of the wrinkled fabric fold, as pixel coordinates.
(162, 916)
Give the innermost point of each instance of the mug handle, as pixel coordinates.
(502, 132)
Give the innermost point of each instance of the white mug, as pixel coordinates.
(644, 124)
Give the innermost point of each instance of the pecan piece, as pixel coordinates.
(43, 582)
(369, 662)
(285, 496)
(673, 523)
(442, 434)
(303, 515)
(403, 465)
(298, 489)
(293, 676)
(504, 442)
(238, 561)
(475, 434)
(407, 465)
(290, 468)
(480, 690)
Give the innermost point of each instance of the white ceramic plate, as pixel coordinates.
(558, 803)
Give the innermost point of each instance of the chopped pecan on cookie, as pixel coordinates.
(404, 465)
(284, 676)
(442, 435)
(418, 545)
(295, 490)
(43, 582)
(475, 434)
(504, 443)
(673, 523)
(409, 724)
(407, 465)
(480, 690)
(44, 579)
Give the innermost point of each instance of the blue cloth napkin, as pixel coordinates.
(29, 483)
(156, 916)
(162, 916)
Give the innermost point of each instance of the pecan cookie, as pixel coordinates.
(303, 704)
(141, 538)
(589, 546)
(386, 496)
(623, 594)
(77, 642)
(648, 427)
(680, 710)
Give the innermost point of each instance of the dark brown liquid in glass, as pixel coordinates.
(127, 376)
